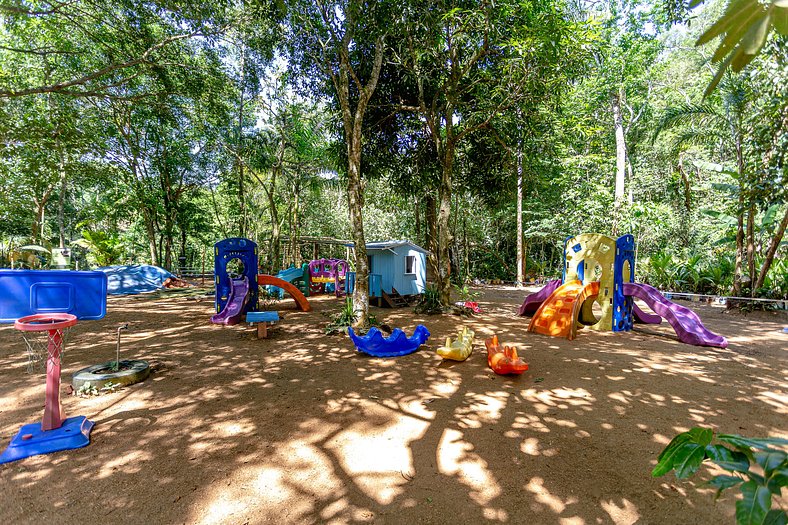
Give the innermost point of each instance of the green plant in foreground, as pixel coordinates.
(343, 319)
(465, 294)
(346, 317)
(736, 454)
(430, 301)
(87, 390)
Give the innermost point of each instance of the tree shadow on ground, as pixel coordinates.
(301, 428)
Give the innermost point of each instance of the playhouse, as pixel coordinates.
(397, 270)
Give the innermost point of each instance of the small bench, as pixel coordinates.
(263, 319)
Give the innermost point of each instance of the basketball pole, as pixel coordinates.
(53, 408)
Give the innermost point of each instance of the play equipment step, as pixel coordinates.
(394, 299)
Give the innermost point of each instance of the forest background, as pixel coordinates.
(144, 132)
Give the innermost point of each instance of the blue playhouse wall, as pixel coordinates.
(28, 292)
(390, 265)
(622, 305)
(374, 284)
(225, 251)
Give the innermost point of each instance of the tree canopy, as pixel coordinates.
(486, 132)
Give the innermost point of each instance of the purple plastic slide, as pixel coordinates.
(535, 300)
(233, 311)
(644, 317)
(684, 321)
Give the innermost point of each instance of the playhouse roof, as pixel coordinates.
(388, 245)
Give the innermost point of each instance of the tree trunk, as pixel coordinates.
(168, 225)
(355, 199)
(61, 201)
(37, 229)
(737, 272)
(430, 232)
(150, 231)
(465, 250)
(773, 247)
(295, 255)
(417, 215)
(182, 252)
(520, 267)
(444, 232)
(621, 147)
(239, 143)
(751, 247)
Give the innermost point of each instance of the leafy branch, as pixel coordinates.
(738, 455)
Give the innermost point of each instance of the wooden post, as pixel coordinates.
(203, 266)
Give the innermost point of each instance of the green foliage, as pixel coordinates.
(206, 138)
(745, 25)
(711, 275)
(739, 456)
(464, 293)
(87, 390)
(346, 317)
(430, 301)
(776, 283)
(105, 248)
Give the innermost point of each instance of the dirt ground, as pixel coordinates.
(301, 428)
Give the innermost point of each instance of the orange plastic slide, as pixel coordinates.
(294, 292)
(559, 313)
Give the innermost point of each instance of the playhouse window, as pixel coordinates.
(410, 264)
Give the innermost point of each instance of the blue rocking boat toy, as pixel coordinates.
(395, 345)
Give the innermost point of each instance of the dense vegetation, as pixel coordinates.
(146, 131)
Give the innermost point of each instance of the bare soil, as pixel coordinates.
(301, 428)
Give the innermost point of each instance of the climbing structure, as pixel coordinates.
(325, 274)
(598, 271)
(237, 289)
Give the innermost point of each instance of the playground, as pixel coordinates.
(302, 428)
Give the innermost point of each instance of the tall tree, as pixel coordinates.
(471, 62)
(342, 43)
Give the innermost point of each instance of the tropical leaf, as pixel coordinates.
(727, 458)
(705, 116)
(728, 221)
(745, 25)
(775, 517)
(770, 460)
(769, 217)
(748, 443)
(755, 504)
(684, 453)
(723, 482)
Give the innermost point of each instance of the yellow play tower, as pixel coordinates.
(588, 277)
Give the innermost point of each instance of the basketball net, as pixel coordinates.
(45, 346)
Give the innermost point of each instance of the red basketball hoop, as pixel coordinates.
(45, 322)
(45, 335)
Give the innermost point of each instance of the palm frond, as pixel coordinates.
(703, 116)
(703, 137)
